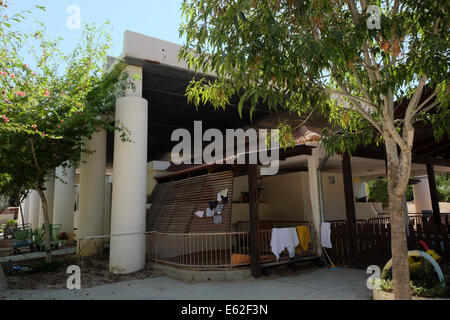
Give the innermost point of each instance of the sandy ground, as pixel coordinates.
(94, 271)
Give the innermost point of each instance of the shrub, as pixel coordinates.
(378, 191)
(424, 283)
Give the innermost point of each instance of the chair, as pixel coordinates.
(22, 238)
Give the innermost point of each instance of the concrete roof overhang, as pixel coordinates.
(165, 79)
(164, 85)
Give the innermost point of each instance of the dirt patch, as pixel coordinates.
(5, 247)
(5, 244)
(4, 252)
(94, 272)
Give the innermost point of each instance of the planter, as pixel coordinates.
(379, 294)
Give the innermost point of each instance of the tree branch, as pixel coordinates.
(409, 113)
(431, 106)
(306, 120)
(358, 108)
(358, 80)
(425, 102)
(34, 155)
(348, 95)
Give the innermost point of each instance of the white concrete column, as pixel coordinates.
(422, 197)
(108, 199)
(127, 252)
(92, 195)
(50, 196)
(313, 165)
(25, 205)
(35, 203)
(64, 199)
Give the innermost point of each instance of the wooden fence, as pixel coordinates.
(368, 242)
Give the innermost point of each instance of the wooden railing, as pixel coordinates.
(368, 242)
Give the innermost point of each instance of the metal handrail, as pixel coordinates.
(212, 251)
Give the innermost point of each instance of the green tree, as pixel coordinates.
(305, 56)
(50, 108)
(378, 190)
(443, 187)
(13, 192)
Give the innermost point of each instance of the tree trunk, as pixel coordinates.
(21, 214)
(400, 266)
(47, 241)
(399, 245)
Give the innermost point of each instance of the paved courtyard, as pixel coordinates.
(315, 283)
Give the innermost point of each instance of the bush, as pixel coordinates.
(443, 187)
(424, 283)
(11, 223)
(378, 191)
(8, 226)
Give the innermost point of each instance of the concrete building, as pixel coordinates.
(114, 182)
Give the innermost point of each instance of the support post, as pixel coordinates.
(108, 199)
(349, 202)
(34, 209)
(348, 188)
(433, 194)
(254, 220)
(128, 209)
(92, 195)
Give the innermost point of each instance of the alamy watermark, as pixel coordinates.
(262, 148)
(374, 281)
(74, 19)
(374, 21)
(74, 280)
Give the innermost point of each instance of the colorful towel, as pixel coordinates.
(304, 238)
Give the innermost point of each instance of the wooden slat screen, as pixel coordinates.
(174, 204)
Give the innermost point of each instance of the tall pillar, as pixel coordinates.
(348, 188)
(422, 197)
(35, 203)
(108, 199)
(254, 220)
(433, 194)
(64, 199)
(313, 165)
(49, 196)
(92, 195)
(128, 243)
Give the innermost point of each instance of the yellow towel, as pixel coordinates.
(304, 238)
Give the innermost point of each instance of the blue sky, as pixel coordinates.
(157, 18)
